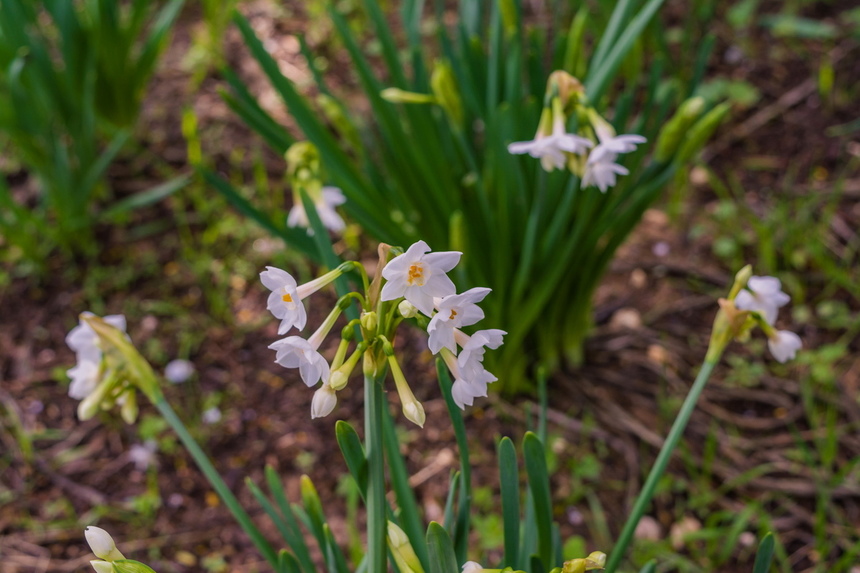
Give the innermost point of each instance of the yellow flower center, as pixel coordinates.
(453, 314)
(287, 298)
(415, 275)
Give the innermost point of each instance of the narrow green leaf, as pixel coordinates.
(287, 563)
(410, 513)
(353, 453)
(535, 458)
(650, 567)
(147, 197)
(294, 538)
(313, 507)
(510, 496)
(441, 551)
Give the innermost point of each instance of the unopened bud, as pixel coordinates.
(568, 88)
(596, 560)
(324, 401)
(103, 567)
(369, 321)
(472, 567)
(407, 309)
(397, 95)
(102, 544)
(444, 87)
(701, 132)
(676, 128)
(741, 279)
(404, 555)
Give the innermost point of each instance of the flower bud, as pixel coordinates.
(675, 129)
(407, 309)
(568, 88)
(404, 555)
(102, 566)
(129, 409)
(102, 543)
(472, 567)
(369, 321)
(444, 87)
(397, 95)
(701, 132)
(324, 401)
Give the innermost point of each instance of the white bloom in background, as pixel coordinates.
(178, 371)
(85, 378)
(472, 567)
(601, 169)
(296, 352)
(324, 203)
(784, 345)
(764, 295)
(211, 415)
(551, 149)
(620, 143)
(324, 401)
(143, 455)
(419, 275)
(84, 340)
(455, 311)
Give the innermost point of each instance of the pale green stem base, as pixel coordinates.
(660, 464)
(217, 483)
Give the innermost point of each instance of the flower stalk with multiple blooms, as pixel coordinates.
(412, 284)
(591, 154)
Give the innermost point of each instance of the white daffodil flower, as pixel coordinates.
(324, 203)
(324, 401)
(285, 302)
(471, 357)
(784, 345)
(419, 275)
(551, 149)
(85, 342)
(467, 386)
(85, 378)
(764, 295)
(296, 352)
(455, 311)
(600, 168)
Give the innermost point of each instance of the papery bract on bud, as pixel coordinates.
(455, 311)
(784, 344)
(419, 275)
(764, 295)
(296, 352)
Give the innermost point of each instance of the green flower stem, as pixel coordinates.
(660, 464)
(217, 483)
(374, 401)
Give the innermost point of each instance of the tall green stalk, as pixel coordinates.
(661, 462)
(374, 402)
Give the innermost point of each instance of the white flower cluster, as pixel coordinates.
(419, 276)
(601, 168)
(764, 295)
(85, 375)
